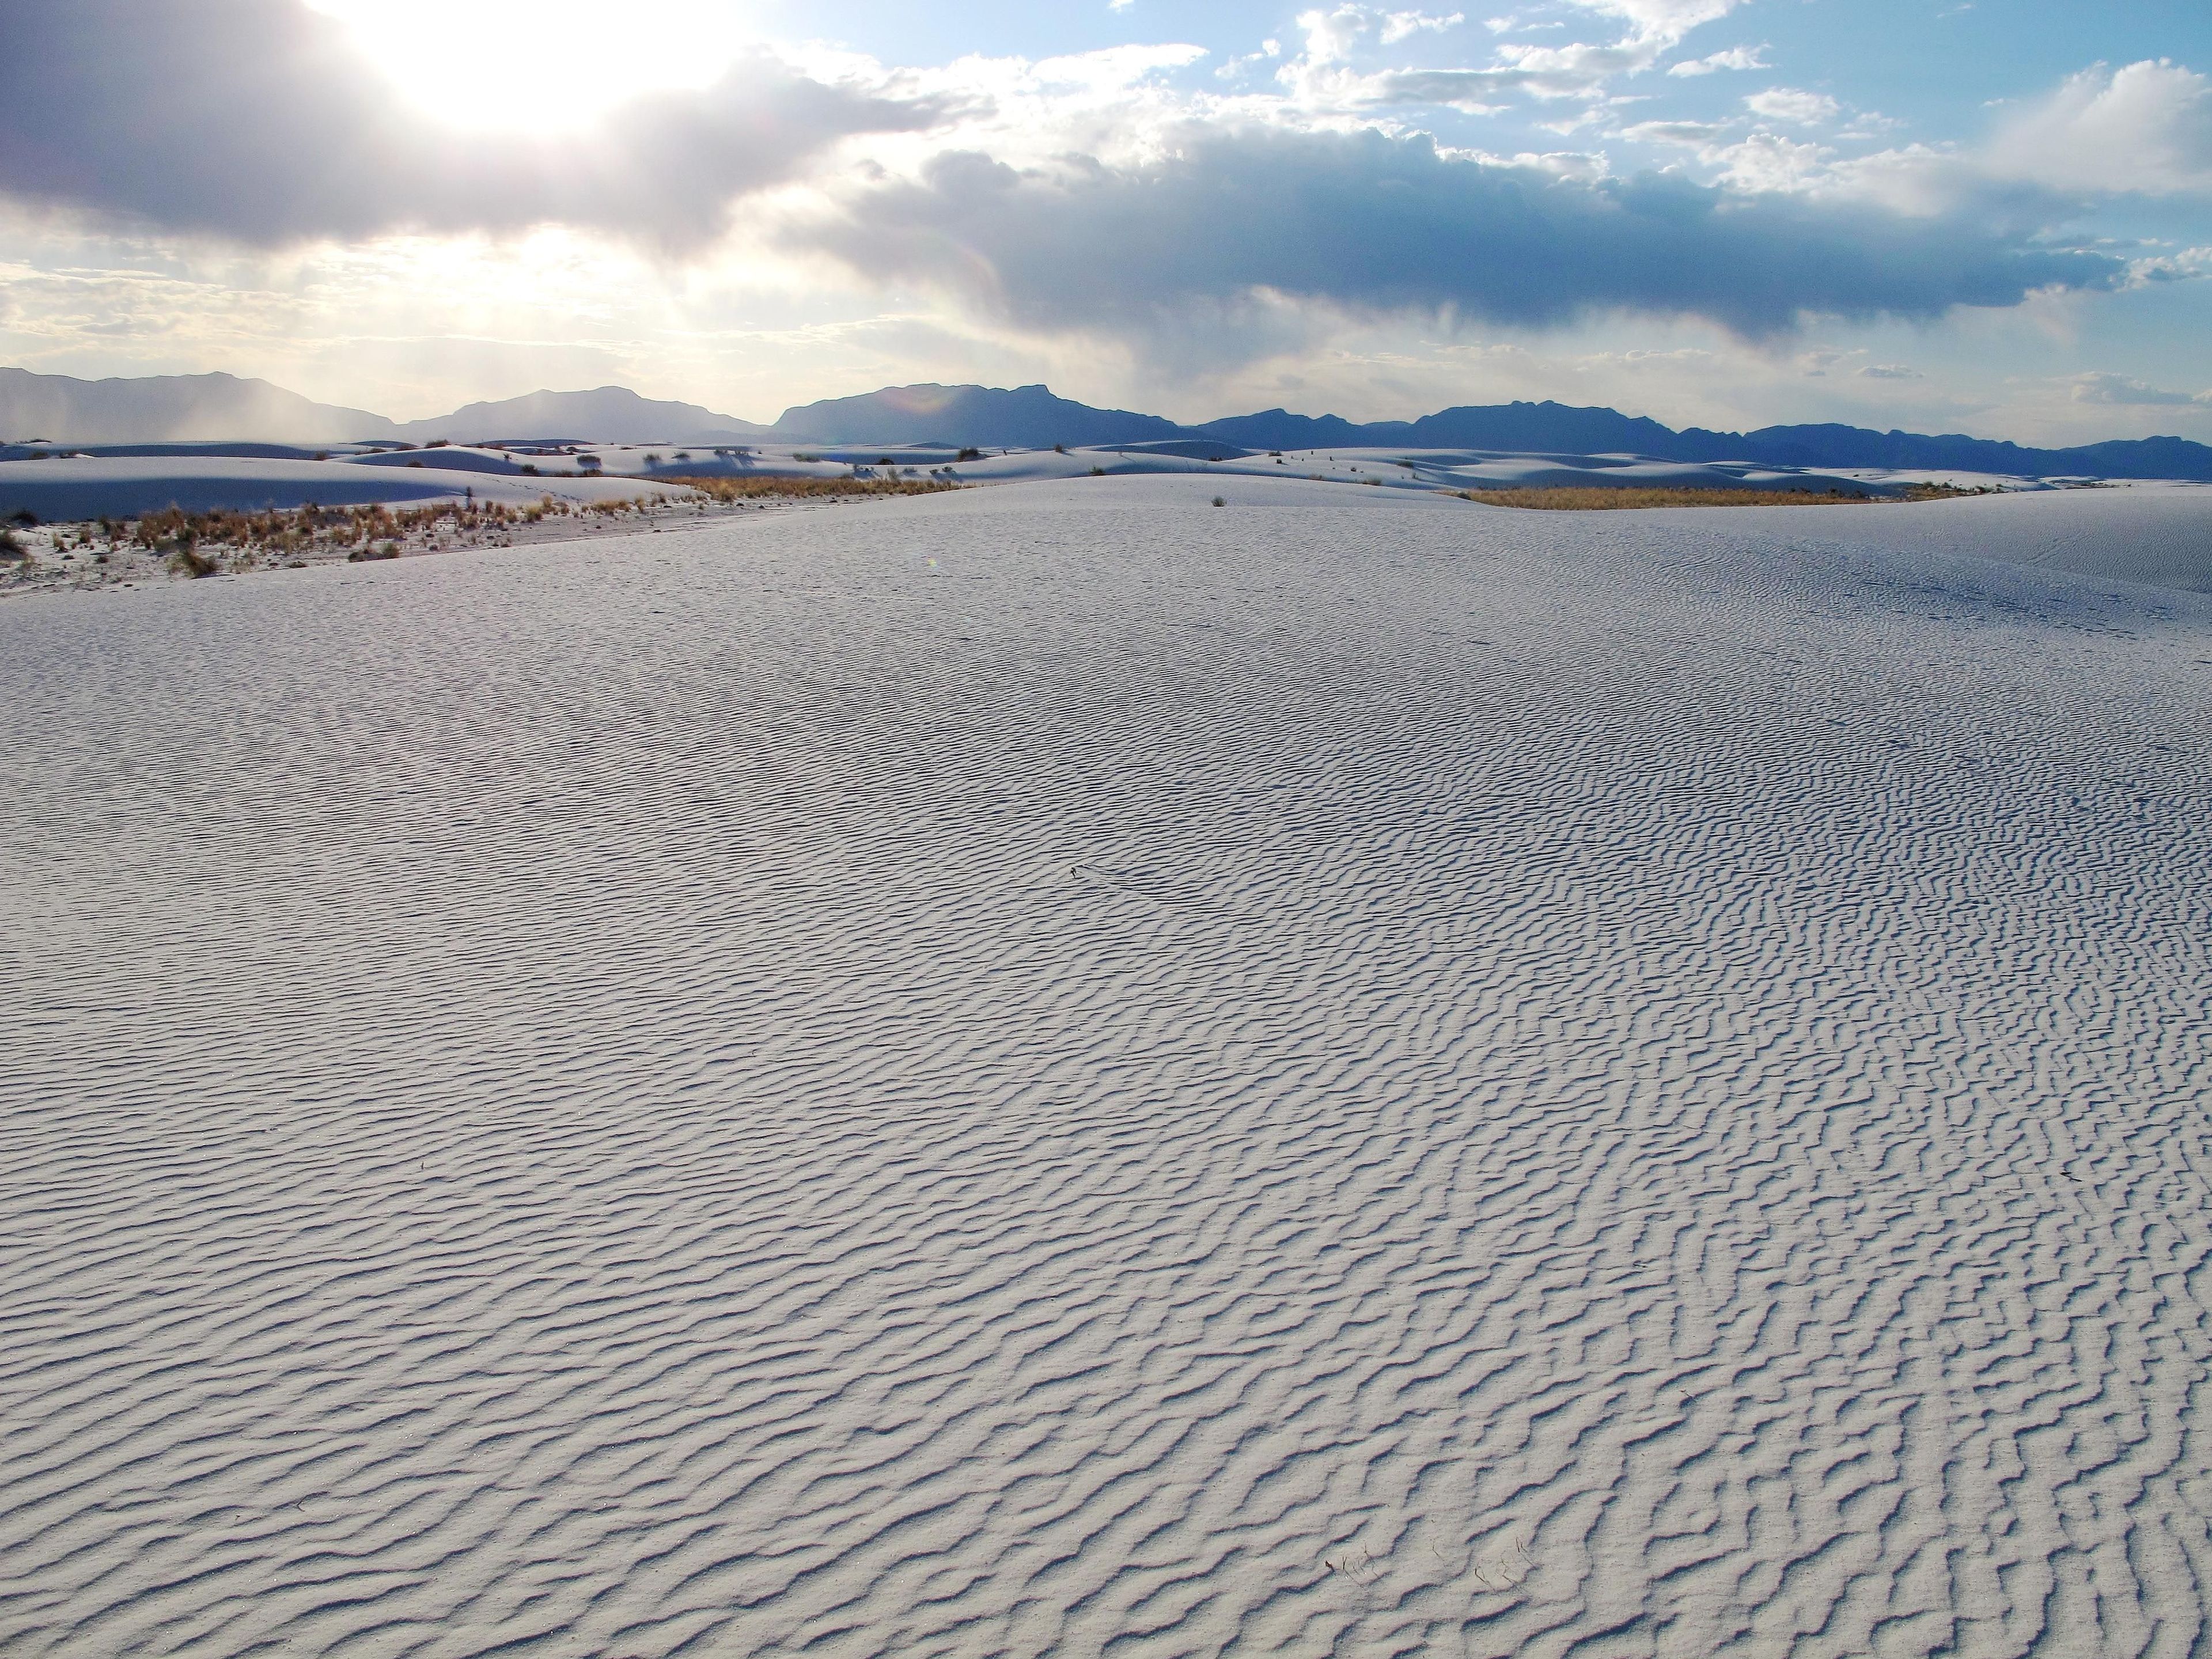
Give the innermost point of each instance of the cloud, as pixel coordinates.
(1376, 225)
(1324, 77)
(1735, 58)
(1890, 372)
(1768, 161)
(2119, 389)
(1656, 21)
(2188, 264)
(256, 120)
(1403, 25)
(1688, 135)
(1789, 104)
(2145, 129)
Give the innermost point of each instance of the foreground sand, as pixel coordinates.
(1058, 1069)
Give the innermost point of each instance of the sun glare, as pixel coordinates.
(550, 67)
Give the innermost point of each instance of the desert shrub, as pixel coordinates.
(23, 516)
(801, 455)
(1220, 501)
(969, 455)
(189, 561)
(366, 554)
(652, 459)
(1098, 471)
(1060, 449)
(437, 443)
(12, 551)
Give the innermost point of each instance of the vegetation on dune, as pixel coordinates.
(751, 488)
(1582, 498)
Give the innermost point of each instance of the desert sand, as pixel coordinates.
(1061, 1069)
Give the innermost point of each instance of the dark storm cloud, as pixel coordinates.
(1388, 225)
(254, 119)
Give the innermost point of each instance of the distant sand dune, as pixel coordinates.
(1055, 1069)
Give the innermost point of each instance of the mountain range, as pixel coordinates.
(169, 409)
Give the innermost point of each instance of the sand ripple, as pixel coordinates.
(1066, 1072)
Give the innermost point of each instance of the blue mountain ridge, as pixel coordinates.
(1030, 417)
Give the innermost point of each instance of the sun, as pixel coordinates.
(553, 66)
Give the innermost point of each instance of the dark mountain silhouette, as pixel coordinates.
(1027, 417)
(610, 415)
(168, 409)
(1558, 428)
(1030, 417)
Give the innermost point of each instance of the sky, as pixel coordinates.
(1992, 217)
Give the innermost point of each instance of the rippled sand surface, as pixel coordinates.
(1062, 1070)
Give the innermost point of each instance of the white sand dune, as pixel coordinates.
(87, 487)
(2156, 534)
(75, 488)
(1061, 1070)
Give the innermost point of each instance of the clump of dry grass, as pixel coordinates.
(738, 489)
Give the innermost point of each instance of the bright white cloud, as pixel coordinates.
(1789, 104)
(2146, 128)
(1660, 20)
(1404, 25)
(1735, 58)
(1767, 162)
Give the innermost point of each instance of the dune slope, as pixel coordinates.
(1058, 1070)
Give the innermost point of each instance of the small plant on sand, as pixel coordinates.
(1060, 449)
(1220, 501)
(12, 551)
(964, 455)
(1098, 471)
(189, 561)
